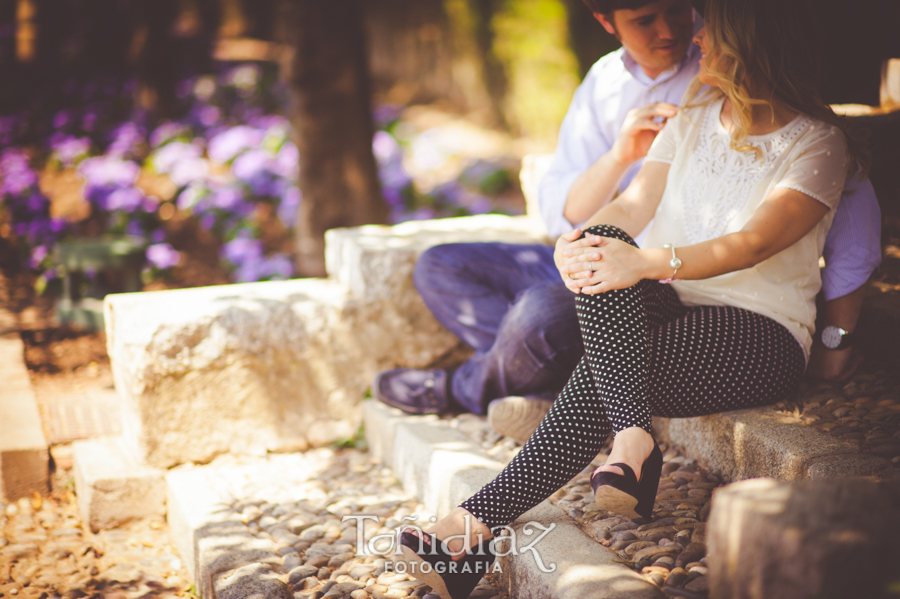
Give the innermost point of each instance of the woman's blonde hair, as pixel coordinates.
(768, 42)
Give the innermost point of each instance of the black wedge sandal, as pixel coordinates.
(428, 560)
(623, 493)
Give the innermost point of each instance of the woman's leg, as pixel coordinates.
(608, 391)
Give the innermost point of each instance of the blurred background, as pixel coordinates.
(215, 141)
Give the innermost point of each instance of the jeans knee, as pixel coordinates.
(545, 317)
(428, 268)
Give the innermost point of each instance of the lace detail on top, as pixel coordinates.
(719, 179)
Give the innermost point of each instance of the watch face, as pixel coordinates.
(831, 336)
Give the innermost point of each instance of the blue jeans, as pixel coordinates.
(510, 305)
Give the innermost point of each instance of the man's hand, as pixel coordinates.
(639, 130)
(832, 365)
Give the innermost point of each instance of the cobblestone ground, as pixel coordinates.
(335, 530)
(864, 411)
(47, 553)
(670, 551)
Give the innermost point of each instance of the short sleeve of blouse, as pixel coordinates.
(663, 147)
(818, 165)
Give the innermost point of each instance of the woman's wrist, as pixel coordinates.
(657, 263)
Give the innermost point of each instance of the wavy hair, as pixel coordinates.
(772, 43)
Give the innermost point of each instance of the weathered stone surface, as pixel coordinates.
(253, 581)
(778, 540)
(24, 454)
(112, 486)
(534, 167)
(760, 442)
(280, 365)
(565, 563)
(212, 540)
(376, 262)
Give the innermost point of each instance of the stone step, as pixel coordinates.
(444, 467)
(113, 486)
(24, 453)
(280, 366)
(761, 442)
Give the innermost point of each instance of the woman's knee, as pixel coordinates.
(610, 231)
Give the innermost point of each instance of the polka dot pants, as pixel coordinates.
(645, 354)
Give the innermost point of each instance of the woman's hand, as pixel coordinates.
(575, 266)
(597, 264)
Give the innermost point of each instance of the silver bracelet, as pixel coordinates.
(674, 263)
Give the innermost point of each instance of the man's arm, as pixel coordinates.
(596, 186)
(837, 364)
(852, 252)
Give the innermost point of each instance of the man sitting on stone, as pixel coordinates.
(507, 301)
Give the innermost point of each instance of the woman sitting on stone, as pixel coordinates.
(716, 313)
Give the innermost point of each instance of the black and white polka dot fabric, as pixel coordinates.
(645, 354)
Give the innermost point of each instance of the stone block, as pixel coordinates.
(762, 443)
(800, 540)
(534, 167)
(215, 545)
(281, 365)
(549, 556)
(24, 454)
(377, 261)
(437, 463)
(112, 486)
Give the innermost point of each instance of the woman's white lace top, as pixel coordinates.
(713, 190)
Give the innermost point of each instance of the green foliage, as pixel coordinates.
(532, 41)
(357, 441)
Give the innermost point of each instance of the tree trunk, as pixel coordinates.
(332, 121)
(817, 539)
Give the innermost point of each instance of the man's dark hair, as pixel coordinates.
(607, 7)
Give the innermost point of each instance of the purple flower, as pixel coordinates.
(209, 116)
(287, 161)
(227, 198)
(37, 255)
(385, 147)
(165, 133)
(386, 114)
(163, 256)
(127, 199)
(125, 139)
(102, 171)
(228, 144)
(187, 171)
(61, 119)
(277, 267)
(188, 198)
(287, 208)
(241, 250)
(68, 149)
(165, 159)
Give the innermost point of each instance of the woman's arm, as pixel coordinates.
(631, 212)
(781, 220)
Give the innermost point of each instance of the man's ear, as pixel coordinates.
(607, 23)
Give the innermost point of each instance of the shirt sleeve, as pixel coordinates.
(853, 245)
(818, 166)
(581, 143)
(663, 147)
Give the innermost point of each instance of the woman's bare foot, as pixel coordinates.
(631, 446)
(460, 530)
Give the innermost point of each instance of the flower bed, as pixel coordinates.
(222, 176)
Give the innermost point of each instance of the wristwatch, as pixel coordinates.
(834, 337)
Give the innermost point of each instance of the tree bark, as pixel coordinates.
(332, 121)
